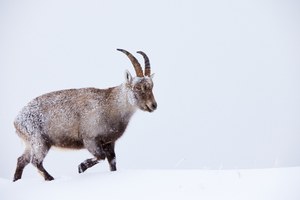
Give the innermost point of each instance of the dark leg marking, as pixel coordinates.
(96, 149)
(87, 164)
(21, 164)
(110, 155)
(39, 165)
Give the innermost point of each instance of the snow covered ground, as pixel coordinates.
(254, 184)
(226, 83)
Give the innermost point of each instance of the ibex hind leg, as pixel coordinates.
(39, 152)
(40, 167)
(23, 160)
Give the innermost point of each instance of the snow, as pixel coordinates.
(264, 184)
(227, 77)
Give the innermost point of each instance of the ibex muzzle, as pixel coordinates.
(87, 118)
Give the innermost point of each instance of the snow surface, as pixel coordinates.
(226, 77)
(264, 184)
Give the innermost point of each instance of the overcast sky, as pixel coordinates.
(227, 77)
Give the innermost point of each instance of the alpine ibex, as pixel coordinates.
(87, 118)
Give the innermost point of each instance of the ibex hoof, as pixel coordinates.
(49, 178)
(81, 168)
(15, 179)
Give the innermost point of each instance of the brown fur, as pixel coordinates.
(88, 118)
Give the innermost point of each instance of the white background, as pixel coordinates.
(227, 77)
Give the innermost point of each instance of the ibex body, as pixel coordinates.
(83, 118)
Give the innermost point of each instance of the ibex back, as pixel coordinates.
(87, 118)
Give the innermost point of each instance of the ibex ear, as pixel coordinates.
(152, 76)
(128, 77)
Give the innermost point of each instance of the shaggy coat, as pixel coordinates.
(87, 118)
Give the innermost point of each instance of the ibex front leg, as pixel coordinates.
(94, 148)
(110, 155)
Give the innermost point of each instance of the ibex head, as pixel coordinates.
(141, 85)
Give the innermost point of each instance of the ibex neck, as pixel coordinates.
(124, 101)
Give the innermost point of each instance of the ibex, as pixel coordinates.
(87, 118)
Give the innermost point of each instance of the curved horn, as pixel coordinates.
(147, 64)
(135, 63)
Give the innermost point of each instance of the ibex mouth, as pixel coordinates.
(151, 108)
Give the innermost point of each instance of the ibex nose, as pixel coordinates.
(154, 106)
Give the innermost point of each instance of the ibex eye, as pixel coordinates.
(147, 87)
(138, 88)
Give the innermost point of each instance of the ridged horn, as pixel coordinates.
(147, 64)
(135, 63)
